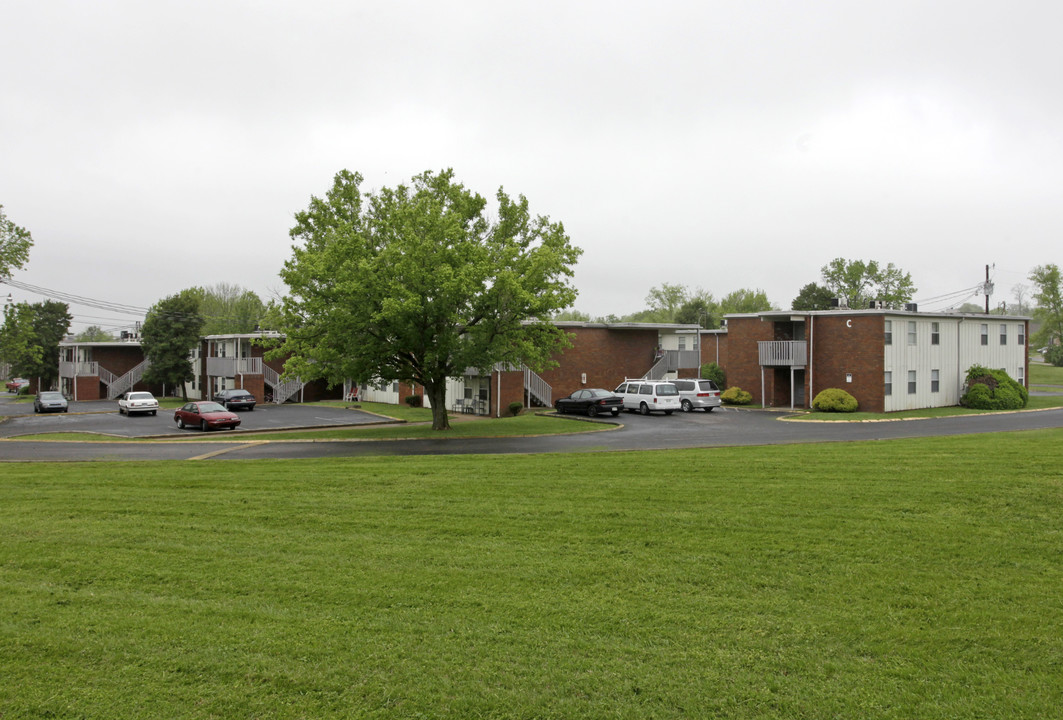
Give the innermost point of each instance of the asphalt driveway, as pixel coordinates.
(724, 427)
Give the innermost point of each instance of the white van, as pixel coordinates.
(648, 396)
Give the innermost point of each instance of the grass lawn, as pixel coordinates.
(895, 579)
(1042, 374)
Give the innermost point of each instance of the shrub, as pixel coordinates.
(736, 396)
(714, 372)
(515, 407)
(415, 401)
(993, 390)
(1054, 355)
(834, 400)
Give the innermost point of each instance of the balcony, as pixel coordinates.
(786, 353)
(231, 367)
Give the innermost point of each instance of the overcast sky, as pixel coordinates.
(153, 146)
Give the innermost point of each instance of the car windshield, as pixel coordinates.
(669, 389)
(208, 407)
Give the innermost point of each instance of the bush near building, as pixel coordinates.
(835, 400)
(993, 390)
(736, 396)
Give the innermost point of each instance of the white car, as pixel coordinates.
(694, 394)
(138, 402)
(648, 396)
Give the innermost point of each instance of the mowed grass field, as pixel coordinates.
(900, 579)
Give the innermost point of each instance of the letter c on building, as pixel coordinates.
(848, 323)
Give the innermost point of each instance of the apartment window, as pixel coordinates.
(935, 381)
(912, 336)
(889, 332)
(985, 334)
(1003, 334)
(889, 382)
(911, 382)
(682, 342)
(1021, 376)
(1022, 334)
(935, 333)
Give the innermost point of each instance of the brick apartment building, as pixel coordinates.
(888, 360)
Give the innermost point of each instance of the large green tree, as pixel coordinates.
(859, 282)
(745, 300)
(30, 338)
(416, 283)
(228, 308)
(1048, 294)
(94, 333)
(171, 330)
(15, 243)
(813, 296)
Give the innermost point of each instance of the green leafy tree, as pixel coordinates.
(229, 309)
(30, 339)
(416, 284)
(1048, 294)
(94, 333)
(860, 282)
(171, 330)
(574, 315)
(18, 342)
(664, 302)
(813, 297)
(15, 243)
(745, 301)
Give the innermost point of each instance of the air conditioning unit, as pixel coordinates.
(911, 307)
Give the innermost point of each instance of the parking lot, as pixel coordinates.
(102, 417)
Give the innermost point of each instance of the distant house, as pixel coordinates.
(101, 370)
(888, 360)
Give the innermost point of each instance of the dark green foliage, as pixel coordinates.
(736, 396)
(714, 372)
(515, 408)
(993, 390)
(171, 329)
(835, 400)
(813, 297)
(415, 401)
(30, 336)
(1054, 355)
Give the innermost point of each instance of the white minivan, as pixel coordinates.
(648, 396)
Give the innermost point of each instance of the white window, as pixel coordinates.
(911, 382)
(1020, 376)
(682, 342)
(935, 333)
(889, 332)
(889, 382)
(935, 381)
(1003, 334)
(985, 334)
(1022, 334)
(912, 336)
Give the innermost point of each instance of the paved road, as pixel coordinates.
(721, 428)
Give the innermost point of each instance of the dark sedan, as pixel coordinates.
(234, 399)
(206, 415)
(49, 401)
(592, 401)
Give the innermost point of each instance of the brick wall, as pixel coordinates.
(850, 344)
(743, 356)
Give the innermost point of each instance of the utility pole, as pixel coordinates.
(987, 289)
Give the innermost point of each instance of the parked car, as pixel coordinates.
(137, 402)
(591, 401)
(694, 394)
(50, 401)
(206, 415)
(234, 399)
(16, 384)
(648, 396)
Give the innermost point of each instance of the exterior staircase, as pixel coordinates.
(117, 386)
(282, 390)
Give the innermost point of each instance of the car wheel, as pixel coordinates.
(667, 412)
(687, 407)
(560, 408)
(615, 413)
(592, 411)
(203, 425)
(153, 412)
(709, 409)
(644, 409)
(180, 423)
(120, 410)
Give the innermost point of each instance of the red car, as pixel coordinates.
(206, 415)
